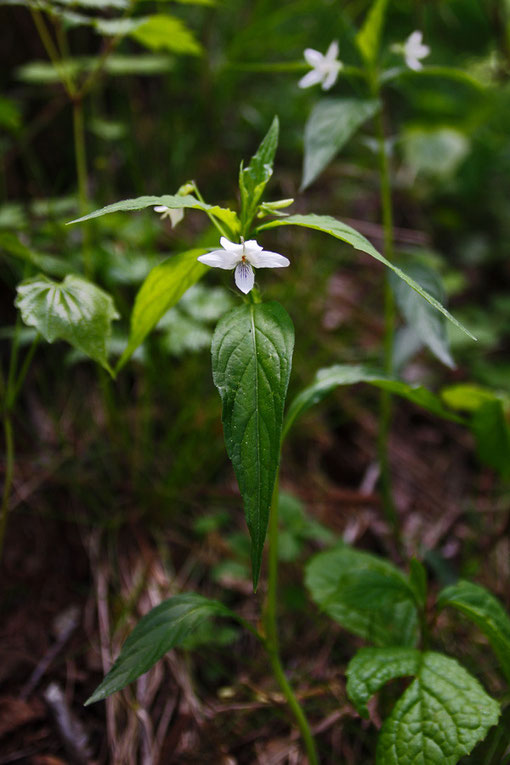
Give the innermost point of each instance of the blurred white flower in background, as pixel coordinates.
(414, 51)
(325, 68)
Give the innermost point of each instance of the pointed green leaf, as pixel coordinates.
(365, 594)
(251, 359)
(174, 201)
(253, 179)
(339, 230)
(369, 36)
(418, 581)
(161, 290)
(441, 716)
(426, 322)
(479, 605)
(326, 380)
(162, 629)
(163, 32)
(75, 310)
(332, 122)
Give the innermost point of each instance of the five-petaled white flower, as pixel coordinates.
(176, 214)
(325, 67)
(242, 257)
(414, 50)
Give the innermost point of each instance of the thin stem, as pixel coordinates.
(9, 472)
(271, 633)
(385, 411)
(51, 50)
(81, 172)
(16, 387)
(209, 215)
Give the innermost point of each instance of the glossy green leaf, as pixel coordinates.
(162, 629)
(174, 201)
(74, 310)
(369, 36)
(251, 360)
(253, 178)
(479, 605)
(162, 32)
(441, 716)
(332, 122)
(427, 323)
(326, 380)
(161, 290)
(339, 230)
(365, 594)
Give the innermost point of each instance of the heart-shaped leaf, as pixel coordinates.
(74, 310)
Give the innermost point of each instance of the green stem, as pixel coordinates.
(51, 50)
(81, 172)
(15, 387)
(271, 634)
(385, 411)
(9, 472)
(209, 215)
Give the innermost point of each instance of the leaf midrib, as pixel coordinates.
(257, 415)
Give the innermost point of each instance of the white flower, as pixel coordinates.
(414, 50)
(242, 257)
(176, 214)
(325, 67)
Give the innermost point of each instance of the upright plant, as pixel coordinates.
(251, 357)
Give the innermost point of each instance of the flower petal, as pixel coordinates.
(267, 259)
(332, 51)
(313, 57)
(311, 78)
(220, 259)
(176, 215)
(231, 246)
(160, 208)
(244, 277)
(331, 76)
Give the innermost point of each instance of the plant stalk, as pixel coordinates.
(81, 172)
(271, 634)
(9, 472)
(385, 408)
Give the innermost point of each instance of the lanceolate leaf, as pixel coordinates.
(369, 36)
(174, 201)
(75, 310)
(162, 629)
(440, 717)
(253, 179)
(486, 612)
(347, 234)
(161, 290)
(326, 380)
(365, 594)
(331, 124)
(251, 359)
(426, 322)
